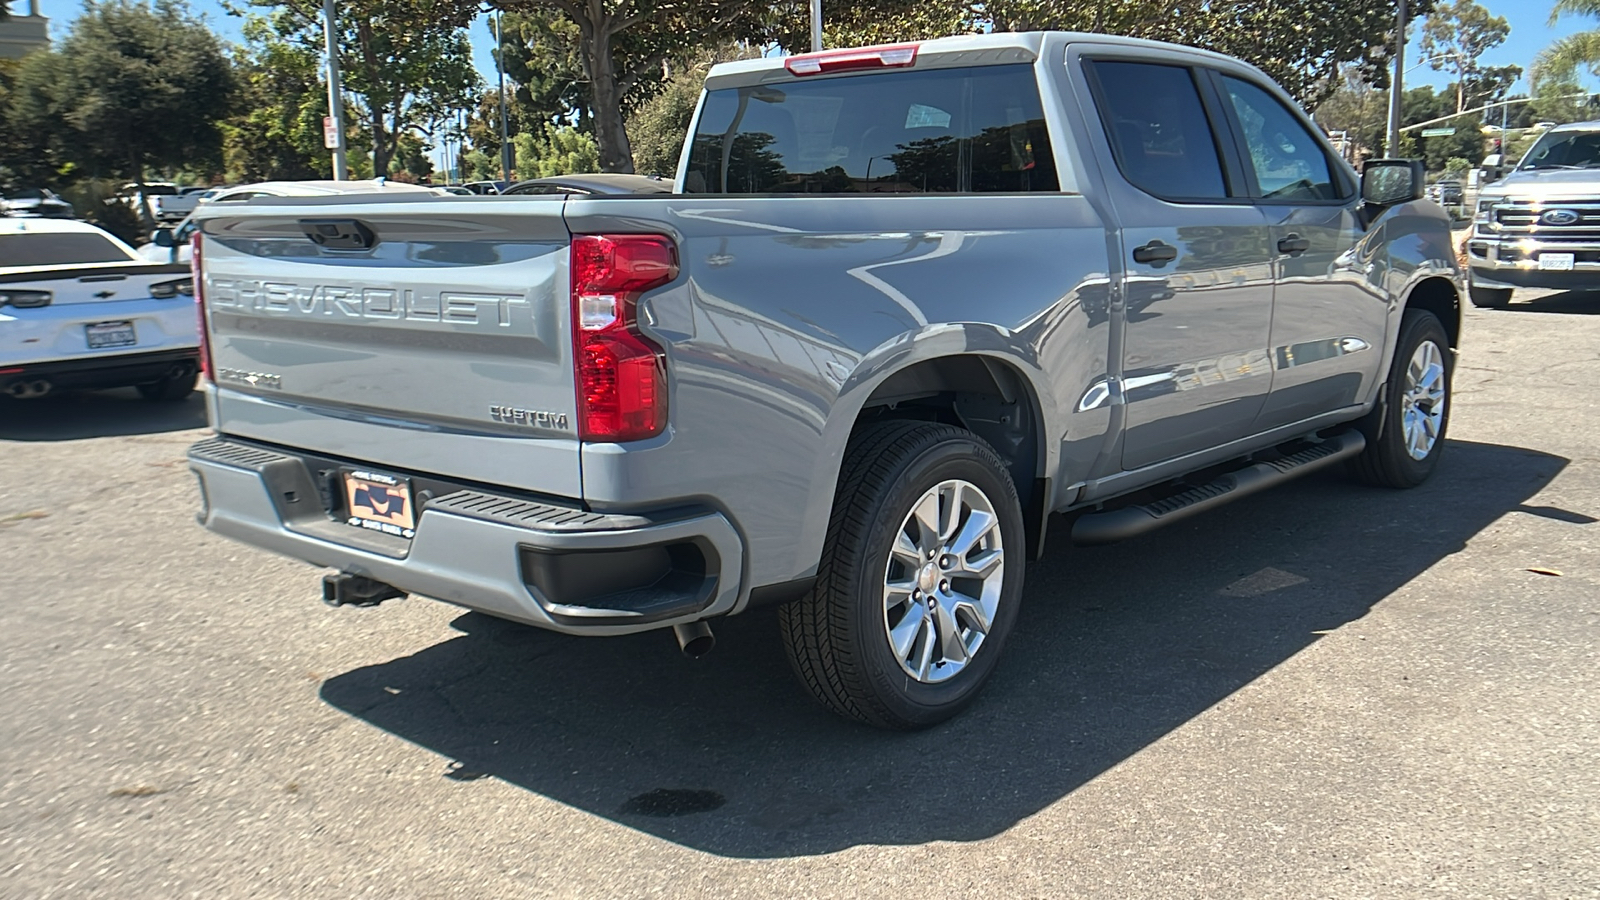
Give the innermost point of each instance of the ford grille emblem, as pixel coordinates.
(1560, 217)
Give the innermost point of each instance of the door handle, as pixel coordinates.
(1293, 244)
(1155, 254)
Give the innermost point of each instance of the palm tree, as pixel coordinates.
(1562, 59)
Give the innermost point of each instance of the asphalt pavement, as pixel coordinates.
(1322, 691)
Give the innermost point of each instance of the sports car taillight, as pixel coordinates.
(621, 374)
(200, 307)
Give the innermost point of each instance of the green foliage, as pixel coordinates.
(1457, 166)
(479, 166)
(278, 134)
(1562, 59)
(132, 86)
(555, 150)
(657, 128)
(408, 60)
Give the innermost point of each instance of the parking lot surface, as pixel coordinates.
(1322, 691)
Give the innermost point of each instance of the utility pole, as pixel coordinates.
(1397, 88)
(816, 26)
(330, 28)
(500, 68)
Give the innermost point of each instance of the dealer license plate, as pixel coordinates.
(379, 502)
(1555, 262)
(110, 334)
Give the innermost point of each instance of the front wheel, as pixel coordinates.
(1406, 433)
(916, 591)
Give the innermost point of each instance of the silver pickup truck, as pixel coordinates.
(905, 304)
(1539, 226)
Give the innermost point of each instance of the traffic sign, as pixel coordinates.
(330, 133)
(1437, 132)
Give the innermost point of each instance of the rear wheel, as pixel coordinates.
(1406, 433)
(915, 593)
(170, 389)
(1489, 298)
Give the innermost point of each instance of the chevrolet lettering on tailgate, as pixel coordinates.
(447, 307)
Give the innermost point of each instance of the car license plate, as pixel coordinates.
(379, 502)
(1555, 262)
(110, 334)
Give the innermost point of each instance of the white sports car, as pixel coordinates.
(80, 309)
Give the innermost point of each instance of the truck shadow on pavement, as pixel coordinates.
(1116, 647)
(1566, 302)
(91, 414)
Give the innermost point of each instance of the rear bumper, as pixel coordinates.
(95, 372)
(557, 567)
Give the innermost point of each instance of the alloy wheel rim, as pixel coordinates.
(1422, 403)
(942, 583)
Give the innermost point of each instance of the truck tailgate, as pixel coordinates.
(426, 335)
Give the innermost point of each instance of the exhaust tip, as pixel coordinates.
(694, 639)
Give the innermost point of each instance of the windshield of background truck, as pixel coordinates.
(1564, 150)
(969, 130)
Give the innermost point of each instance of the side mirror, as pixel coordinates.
(1386, 182)
(162, 237)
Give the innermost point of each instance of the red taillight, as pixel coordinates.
(891, 56)
(200, 306)
(622, 378)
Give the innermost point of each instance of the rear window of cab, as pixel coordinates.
(934, 131)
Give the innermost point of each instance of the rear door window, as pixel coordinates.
(59, 249)
(934, 131)
(1160, 134)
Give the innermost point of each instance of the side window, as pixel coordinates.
(1288, 161)
(1159, 130)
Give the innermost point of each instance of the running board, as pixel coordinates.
(1130, 521)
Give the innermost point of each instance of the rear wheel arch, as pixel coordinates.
(991, 396)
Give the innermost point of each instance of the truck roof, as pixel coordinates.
(969, 49)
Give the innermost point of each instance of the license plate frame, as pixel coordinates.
(1556, 262)
(110, 335)
(378, 501)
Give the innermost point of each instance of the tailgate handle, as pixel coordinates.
(339, 234)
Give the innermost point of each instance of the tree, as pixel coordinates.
(409, 60)
(623, 44)
(132, 86)
(1455, 35)
(1561, 60)
(658, 127)
(555, 150)
(278, 133)
(1303, 45)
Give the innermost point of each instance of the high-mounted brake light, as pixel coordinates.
(198, 286)
(622, 378)
(891, 56)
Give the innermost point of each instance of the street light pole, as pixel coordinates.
(341, 171)
(816, 26)
(500, 68)
(1397, 88)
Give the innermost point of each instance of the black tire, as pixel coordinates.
(1387, 461)
(1489, 298)
(168, 390)
(836, 637)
